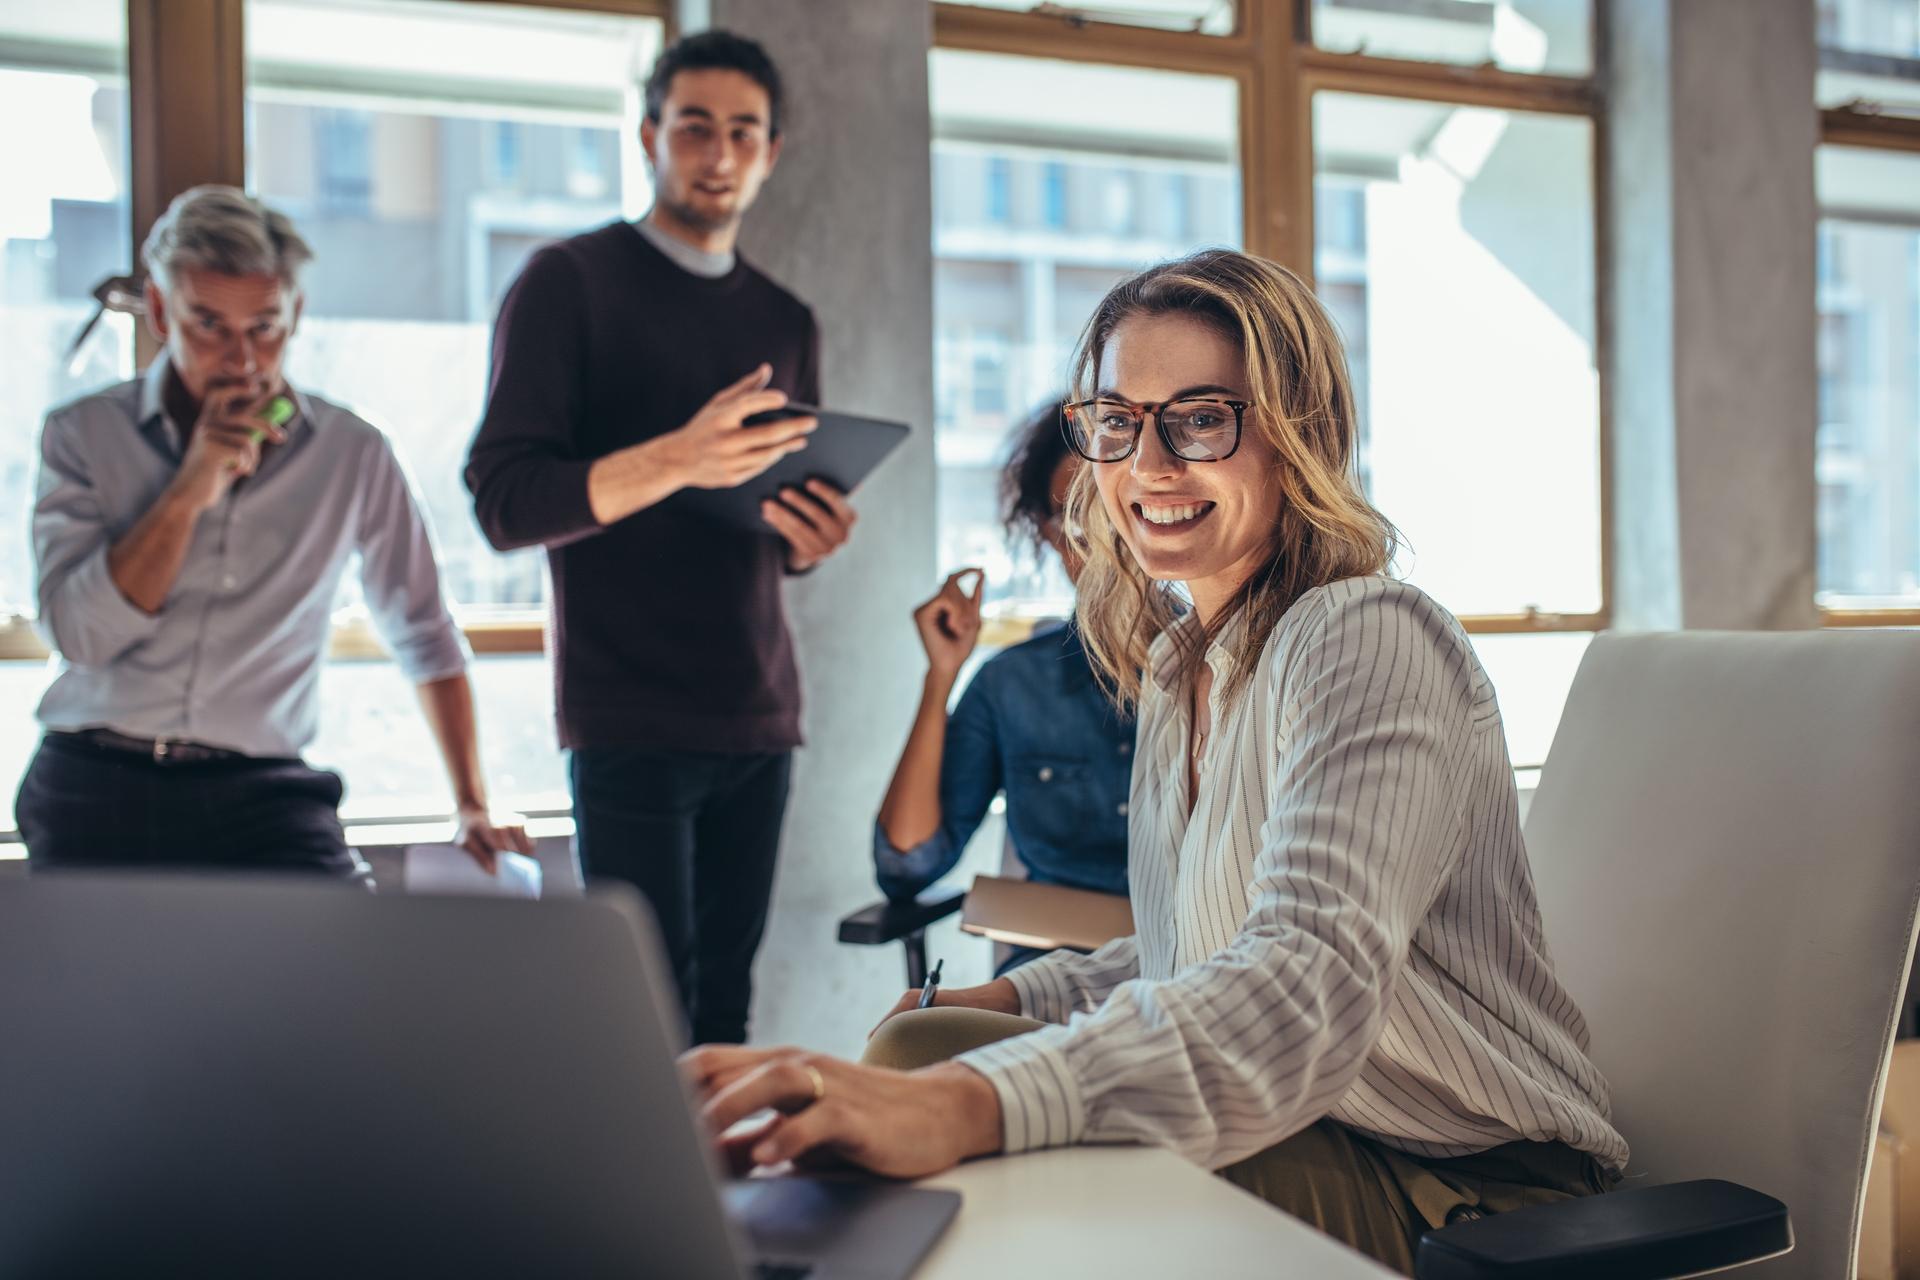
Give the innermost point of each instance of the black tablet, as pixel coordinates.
(842, 450)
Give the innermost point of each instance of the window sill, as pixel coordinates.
(353, 640)
(542, 824)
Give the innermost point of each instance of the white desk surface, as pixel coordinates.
(1116, 1212)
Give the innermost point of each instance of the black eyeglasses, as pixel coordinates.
(1200, 429)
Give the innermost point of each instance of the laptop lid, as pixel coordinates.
(279, 1077)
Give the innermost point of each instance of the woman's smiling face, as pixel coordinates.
(1210, 525)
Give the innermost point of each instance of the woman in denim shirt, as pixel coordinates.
(1033, 723)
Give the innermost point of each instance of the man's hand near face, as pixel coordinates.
(225, 444)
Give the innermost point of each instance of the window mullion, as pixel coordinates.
(980, 30)
(1277, 139)
(186, 93)
(1440, 82)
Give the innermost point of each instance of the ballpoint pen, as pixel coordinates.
(933, 985)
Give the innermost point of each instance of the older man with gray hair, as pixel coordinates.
(189, 536)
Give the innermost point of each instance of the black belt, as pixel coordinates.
(158, 750)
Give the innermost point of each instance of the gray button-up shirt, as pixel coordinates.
(233, 657)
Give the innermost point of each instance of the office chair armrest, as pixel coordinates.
(892, 921)
(1648, 1233)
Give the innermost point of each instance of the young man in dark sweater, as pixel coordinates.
(625, 361)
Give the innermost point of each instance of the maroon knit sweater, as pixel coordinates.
(667, 628)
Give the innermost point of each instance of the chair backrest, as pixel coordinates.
(1726, 843)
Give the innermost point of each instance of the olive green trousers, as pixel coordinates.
(1379, 1200)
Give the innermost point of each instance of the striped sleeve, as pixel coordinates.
(1061, 983)
(1230, 1055)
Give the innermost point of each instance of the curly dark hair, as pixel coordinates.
(717, 51)
(1036, 449)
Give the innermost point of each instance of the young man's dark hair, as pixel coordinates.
(717, 51)
(1026, 481)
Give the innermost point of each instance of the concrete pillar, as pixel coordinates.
(1711, 199)
(846, 223)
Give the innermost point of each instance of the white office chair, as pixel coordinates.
(1726, 843)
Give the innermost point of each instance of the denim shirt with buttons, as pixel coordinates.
(1032, 723)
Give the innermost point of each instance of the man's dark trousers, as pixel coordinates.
(696, 833)
(87, 806)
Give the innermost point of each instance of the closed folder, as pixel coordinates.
(1024, 914)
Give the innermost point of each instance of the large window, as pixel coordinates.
(1455, 247)
(63, 229)
(1051, 181)
(1868, 446)
(372, 732)
(425, 149)
(1867, 177)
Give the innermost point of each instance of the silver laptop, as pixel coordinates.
(219, 1077)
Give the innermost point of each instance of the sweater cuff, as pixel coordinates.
(1040, 1101)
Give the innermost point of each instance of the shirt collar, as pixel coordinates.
(153, 385)
(692, 260)
(1164, 658)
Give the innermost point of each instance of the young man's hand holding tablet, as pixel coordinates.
(802, 496)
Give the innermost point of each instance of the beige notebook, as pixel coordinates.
(1025, 914)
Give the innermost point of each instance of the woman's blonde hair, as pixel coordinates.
(1301, 405)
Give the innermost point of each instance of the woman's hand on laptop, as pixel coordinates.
(901, 1124)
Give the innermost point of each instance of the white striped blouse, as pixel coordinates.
(1345, 927)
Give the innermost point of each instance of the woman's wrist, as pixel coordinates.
(974, 1104)
(998, 996)
(1005, 996)
(940, 679)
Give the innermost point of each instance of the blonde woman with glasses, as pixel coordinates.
(1338, 995)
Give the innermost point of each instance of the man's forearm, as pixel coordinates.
(633, 479)
(146, 562)
(448, 707)
(911, 811)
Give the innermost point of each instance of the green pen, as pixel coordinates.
(279, 412)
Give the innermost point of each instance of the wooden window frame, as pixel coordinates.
(1852, 127)
(1271, 58)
